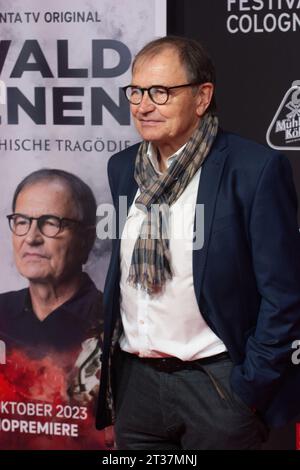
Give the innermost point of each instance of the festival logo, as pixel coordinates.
(284, 130)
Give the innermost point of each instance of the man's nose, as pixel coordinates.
(146, 105)
(34, 235)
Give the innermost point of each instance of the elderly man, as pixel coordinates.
(53, 231)
(198, 339)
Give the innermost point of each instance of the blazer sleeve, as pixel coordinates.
(275, 246)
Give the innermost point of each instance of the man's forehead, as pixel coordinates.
(166, 55)
(165, 65)
(52, 185)
(45, 194)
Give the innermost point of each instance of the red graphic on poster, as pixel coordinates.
(48, 403)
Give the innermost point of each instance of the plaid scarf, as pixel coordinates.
(151, 261)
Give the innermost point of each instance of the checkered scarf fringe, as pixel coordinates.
(151, 261)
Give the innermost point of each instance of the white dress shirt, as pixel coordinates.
(168, 324)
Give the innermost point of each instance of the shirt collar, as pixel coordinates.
(79, 303)
(152, 155)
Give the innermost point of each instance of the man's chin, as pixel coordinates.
(151, 134)
(34, 276)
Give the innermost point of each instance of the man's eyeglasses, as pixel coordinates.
(159, 94)
(49, 225)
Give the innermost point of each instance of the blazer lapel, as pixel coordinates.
(127, 193)
(125, 198)
(210, 178)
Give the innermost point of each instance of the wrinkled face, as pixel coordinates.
(174, 122)
(42, 259)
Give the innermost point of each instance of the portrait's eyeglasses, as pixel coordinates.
(49, 225)
(159, 94)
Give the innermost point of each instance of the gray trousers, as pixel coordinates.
(186, 409)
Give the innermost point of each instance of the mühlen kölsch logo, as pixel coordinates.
(284, 130)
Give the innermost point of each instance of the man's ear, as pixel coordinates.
(204, 97)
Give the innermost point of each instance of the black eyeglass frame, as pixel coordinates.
(165, 88)
(40, 220)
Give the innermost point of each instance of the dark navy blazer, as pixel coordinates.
(246, 275)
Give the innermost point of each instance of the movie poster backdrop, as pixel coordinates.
(62, 68)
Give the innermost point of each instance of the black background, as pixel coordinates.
(254, 71)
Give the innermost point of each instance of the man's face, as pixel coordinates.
(173, 123)
(42, 259)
